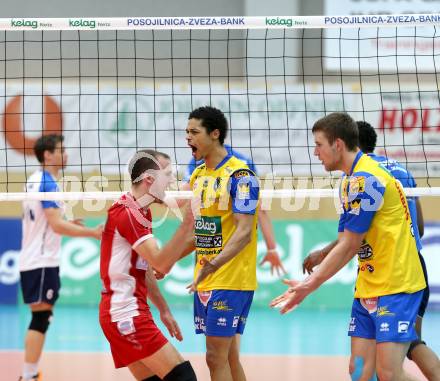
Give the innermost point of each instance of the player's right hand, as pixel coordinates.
(171, 324)
(313, 259)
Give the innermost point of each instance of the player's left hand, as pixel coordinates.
(290, 299)
(206, 269)
(171, 324)
(273, 258)
(78, 221)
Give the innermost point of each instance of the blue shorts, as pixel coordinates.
(221, 312)
(388, 318)
(40, 285)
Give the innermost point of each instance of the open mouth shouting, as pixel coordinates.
(194, 151)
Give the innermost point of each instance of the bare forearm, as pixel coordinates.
(154, 293)
(70, 229)
(338, 257)
(235, 245)
(326, 250)
(179, 246)
(266, 229)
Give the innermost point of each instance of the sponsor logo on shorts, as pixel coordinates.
(384, 327)
(383, 311)
(221, 305)
(352, 326)
(403, 326)
(126, 327)
(221, 321)
(235, 321)
(199, 323)
(370, 304)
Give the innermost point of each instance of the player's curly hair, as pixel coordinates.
(367, 136)
(212, 119)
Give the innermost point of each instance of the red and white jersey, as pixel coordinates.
(124, 293)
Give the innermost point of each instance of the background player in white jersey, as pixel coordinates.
(43, 225)
(129, 253)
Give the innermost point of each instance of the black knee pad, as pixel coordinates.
(40, 321)
(181, 372)
(152, 378)
(412, 346)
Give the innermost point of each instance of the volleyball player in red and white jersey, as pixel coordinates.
(129, 253)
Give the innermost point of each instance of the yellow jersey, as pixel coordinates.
(374, 203)
(229, 188)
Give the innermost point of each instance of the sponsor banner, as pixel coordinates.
(407, 124)
(80, 265)
(10, 243)
(232, 22)
(363, 50)
(383, 8)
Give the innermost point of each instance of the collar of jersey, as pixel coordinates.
(356, 159)
(225, 159)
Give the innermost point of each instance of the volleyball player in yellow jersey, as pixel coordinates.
(376, 225)
(225, 240)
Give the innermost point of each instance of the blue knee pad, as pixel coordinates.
(358, 370)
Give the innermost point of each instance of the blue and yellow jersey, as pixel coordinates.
(407, 180)
(374, 203)
(229, 188)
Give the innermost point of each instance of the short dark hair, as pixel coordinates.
(339, 125)
(46, 143)
(142, 161)
(212, 119)
(367, 136)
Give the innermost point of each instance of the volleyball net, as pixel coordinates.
(113, 86)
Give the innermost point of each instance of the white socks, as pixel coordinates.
(29, 370)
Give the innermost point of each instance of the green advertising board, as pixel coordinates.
(81, 283)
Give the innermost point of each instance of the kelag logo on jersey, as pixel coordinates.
(208, 225)
(208, 232)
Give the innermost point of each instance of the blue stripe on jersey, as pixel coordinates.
(48, 184)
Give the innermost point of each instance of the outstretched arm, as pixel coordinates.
(346, 248)
(316, 257)
(59, 225)
(163, 260)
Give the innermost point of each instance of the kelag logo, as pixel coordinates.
(91, 24)
(208, 225)
(24, 23)
(279, 21)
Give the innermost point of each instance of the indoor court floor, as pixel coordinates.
(303, 345)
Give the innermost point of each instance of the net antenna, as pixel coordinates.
(112, 86)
